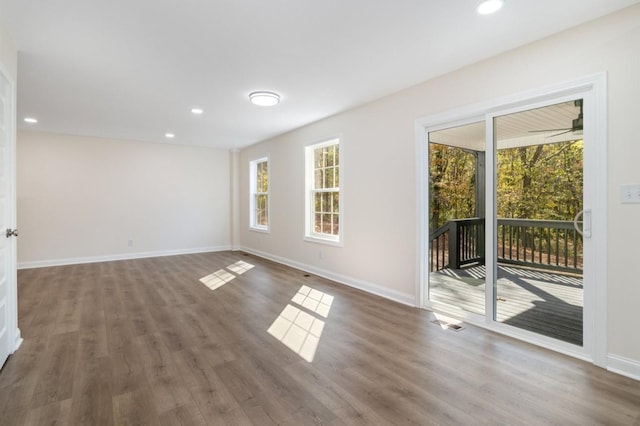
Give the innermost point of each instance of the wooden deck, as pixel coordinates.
(546, 303)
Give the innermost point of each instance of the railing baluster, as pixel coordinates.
(545, 236)
(517, 228)
(533, 245)
(525, 242)
(431, 256)
(540, 238)
(463, 240)
(557, 247)
(566, 248)
(541, 248)
(575, 248)
(548, 246)
(539, 244)
(502, 229)
(510, 242)
(434, 252)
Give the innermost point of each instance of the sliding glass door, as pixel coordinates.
(538, 252)
(507, 227)
(456, 217)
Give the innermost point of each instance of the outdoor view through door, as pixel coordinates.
(538, 191)
(456, 217)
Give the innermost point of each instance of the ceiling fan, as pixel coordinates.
(576, 125)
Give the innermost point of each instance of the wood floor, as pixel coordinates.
(149, 342)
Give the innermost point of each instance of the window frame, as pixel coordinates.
(253, 194)
(309, 170)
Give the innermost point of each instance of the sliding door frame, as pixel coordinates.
(593, 90)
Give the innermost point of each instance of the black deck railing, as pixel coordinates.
(457, 243)
(543, 244)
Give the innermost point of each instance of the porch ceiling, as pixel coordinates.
(516, 130)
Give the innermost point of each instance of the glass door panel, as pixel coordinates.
(456, 217)
(539, 192)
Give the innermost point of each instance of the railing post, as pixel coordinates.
(454, 246)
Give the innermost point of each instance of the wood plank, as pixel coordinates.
(55, 382)
(538, 301)
(145, 342)
(135, 408)
(184, 415)
(92, 393)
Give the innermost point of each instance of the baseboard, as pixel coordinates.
(405, 299)
(624, 366)
(113, 257)
(18, 340)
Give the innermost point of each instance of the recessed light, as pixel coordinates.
(488, 7)
(264, 98)
(196, 111)
(169, 135)
(30, 120)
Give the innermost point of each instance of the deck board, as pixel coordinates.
(543, 302)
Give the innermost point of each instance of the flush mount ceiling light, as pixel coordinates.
(169, 135)
(30, 120)
(197, 111)
(489, 6)
(264, 98)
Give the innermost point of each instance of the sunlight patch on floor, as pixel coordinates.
(240, 267)
(219, 278)
(298, 329)
(445, 321)
(313, 300)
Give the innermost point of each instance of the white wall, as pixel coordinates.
(82, 199)
(379, 250)
(8, 55)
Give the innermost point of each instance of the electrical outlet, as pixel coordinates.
(130, 243)
(630, 194)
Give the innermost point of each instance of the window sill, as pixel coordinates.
(320, 240)
(264, 230)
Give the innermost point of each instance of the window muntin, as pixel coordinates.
(323, 191)
(259, 202)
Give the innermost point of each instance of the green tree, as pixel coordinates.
(540, 181)
(534, 182)
(451, 184)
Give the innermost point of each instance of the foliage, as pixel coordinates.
(541, 181)
(261, 195)
(451, 184)
(326, 189)
(534, 182)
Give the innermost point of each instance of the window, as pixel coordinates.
(259, 201)
(322, 167)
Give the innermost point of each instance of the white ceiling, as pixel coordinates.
(133, 69)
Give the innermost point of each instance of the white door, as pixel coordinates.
(8, 299)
